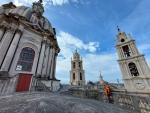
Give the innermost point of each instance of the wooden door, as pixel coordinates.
(24, 81)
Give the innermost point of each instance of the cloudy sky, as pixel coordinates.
(90, 26)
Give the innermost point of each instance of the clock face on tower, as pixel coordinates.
(139, 84)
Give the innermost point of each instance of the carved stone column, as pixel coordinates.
(45, 64)
(54, 68)
(7, 38)
(52, 64)
(41, 59)
(2, 31)
(9, 56)
(49, 62)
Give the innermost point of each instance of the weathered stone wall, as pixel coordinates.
(132, 101)
(42, 102)
(8, 85)
(44, 85)
(137, 102)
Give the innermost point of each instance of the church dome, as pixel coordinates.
(22, 11)
(32, 15)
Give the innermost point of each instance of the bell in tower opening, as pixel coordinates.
(126, 51)
(134, 68)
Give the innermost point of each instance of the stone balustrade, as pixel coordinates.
(132, 101)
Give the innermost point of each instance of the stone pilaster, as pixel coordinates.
(52, 64)
(54, 68)
(7, 38)
(49, 63)
(8, 59)
(46, 60)
(41, 59)
(2, 31)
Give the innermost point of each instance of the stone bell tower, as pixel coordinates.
(135, 70)
(77, 77)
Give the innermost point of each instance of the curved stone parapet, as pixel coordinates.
(49, 103)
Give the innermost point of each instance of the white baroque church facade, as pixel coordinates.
(134, 68)
(77, 74)
(28, 49)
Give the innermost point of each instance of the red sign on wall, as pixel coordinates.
(24, 81)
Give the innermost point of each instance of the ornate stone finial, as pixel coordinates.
(38, 8)
(76, 55)
(118, 28)
(76, 51)
(9, 5)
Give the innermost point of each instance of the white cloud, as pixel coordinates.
(45, 2)
(68, 40)
(92, 61)
(57, 2)
(106, 63)
(23, 2)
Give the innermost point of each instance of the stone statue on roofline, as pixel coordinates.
(38, 8)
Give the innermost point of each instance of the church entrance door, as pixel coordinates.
(24, 81)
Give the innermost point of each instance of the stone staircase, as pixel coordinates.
(39, 86)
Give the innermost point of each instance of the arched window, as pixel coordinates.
(80, 76)
(74, 76)
(79, 64)
(133, 69)
(26, 59)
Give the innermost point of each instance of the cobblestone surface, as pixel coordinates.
(53, 103)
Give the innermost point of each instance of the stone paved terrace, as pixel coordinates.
(38, 102)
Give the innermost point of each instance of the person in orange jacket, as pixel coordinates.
(108, 93)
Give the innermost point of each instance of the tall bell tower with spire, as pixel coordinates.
(134, 68)
(77, 77)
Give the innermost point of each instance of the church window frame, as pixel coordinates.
(133, 69)
(26, 59)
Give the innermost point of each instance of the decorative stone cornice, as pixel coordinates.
(132, 40)
(44, 40)
(14, 22)
(129, 58)
(9, 5)
(8, 22)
